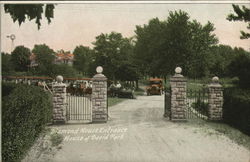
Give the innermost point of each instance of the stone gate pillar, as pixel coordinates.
(99, 97)
(215, 100)
(178, 96)
(59, 101)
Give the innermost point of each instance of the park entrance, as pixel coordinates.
(182, 103)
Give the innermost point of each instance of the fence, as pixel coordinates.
(79, 107)
(197, 104)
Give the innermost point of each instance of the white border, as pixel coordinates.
(129, 2)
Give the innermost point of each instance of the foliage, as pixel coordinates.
(24, 112)
(236, 108)
(19, 12)
(114, 101)
(44, 56)
(240, 67)
(242, 14)
(163, 45)
(83, 56)
(56, 139)
(20, 58)
(64, 70)
(221, 57)
(113, 52)
(7, 66)
(55, 69)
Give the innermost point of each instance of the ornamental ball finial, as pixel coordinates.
(99, 69)
(59, 79)
(178, 70)
(215, 79)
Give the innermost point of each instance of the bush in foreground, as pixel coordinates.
(24, 114)
(236, 108)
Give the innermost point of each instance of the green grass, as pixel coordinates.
(223, 129)
(114, 100)
(56, 139)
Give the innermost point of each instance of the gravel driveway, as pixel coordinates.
(137, 131)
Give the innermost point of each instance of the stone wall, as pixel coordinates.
(215, 100)
(178, 96)
(99, 98)
(59, 103)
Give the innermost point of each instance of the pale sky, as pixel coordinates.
(79, 24)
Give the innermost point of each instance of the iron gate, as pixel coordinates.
(197, 104)
(79, 108)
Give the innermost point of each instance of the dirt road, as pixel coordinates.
(137, 131)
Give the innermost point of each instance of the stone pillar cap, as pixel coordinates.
(215, 82)
(178, 70)
(59, 79)
(215, 79)
(99, 69)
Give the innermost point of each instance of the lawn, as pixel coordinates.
(114, 100)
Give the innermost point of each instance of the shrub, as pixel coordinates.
(236, 108)
(24, 113)
(240, 67)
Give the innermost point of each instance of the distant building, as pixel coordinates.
(33, 62)
(61, 58)
(64, 58)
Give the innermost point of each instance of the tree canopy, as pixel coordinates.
(21, 12)
(20, 58)
(112, 51)
(178, 41)
(43, 54)
(241, 14)
(83, 56)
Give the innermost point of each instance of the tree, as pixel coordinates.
(20, 58)
(19, 12)
(202, 40)
(176, 41)
(83, 56)
(221, 57)
(149, 46)
(7, 66)
(44, 55)
(111, 51)
(240, 67)
(241, 14)
(62, 69)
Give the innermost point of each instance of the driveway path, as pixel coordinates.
(137, 131)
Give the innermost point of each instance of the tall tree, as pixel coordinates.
(19, 12)
(241, 14)
(20, 58)
(7, 66)
(83, 56)
(202, 40)
(111, 51)
(44, 55)
(149, 46)
(176, 41)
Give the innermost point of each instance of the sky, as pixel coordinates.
(79, 24)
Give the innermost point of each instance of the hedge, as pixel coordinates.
(236, 108)
(24, 113)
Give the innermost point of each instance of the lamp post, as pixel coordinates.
(12, 38)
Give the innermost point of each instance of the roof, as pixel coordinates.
(64, 56)
(155, 79)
